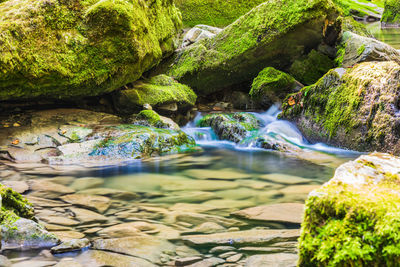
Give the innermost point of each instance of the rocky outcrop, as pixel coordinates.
(215, 13)
(271, 86)
(73, 135)
(199, 32)
(64, 49)
(391, 15)
(160, 92)
(355, 49)
(363, 11)
(269, 35)
(355, 108)
(353, 219)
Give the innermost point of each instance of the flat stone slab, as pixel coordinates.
(272, 260)
(281, 178)
(93, 202)
(105, 258)
(223, 174)
(283, 213)
(243, 238)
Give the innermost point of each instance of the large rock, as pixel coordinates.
(269, 35)
(216, 13)
(158, 91)
(85, 49)
(391, 15)
(355, 108)
(353, 220)
(364, 11)
(355, 49)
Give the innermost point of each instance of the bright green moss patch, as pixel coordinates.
(238, 53)
(311, 68)
(14, 206)
(391, 15)
(359, 8)
(214, 13)
(64, 49)
(354, 219)
(157, 91)
(150, 115)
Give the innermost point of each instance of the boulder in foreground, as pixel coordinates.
(353, 220)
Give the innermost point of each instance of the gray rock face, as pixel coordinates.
(198, 33)
(27, 234)
(356, 49)
(71, 245)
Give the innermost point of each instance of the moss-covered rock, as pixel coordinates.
(63, 49)
(158, 91)
(14, 206)
(311, 68)
(275, 34)
(232, 127)
(215, 13)
(353, 220)
(355, 108)
(391, 15)
(153, 119)
(361, 9)
(271, 86)
(351, 25)
(354, 49)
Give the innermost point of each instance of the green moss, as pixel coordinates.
(351, 25)
(359, 8)
(214, 13)
(150, 115)
(361, 50)
(311, 68)
(14, 206)
(63, 49)
(391, 14)
(157, 91)
(353, 225)
(251, 43)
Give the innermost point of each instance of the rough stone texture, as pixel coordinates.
(158, 91)
(198, 33)
(86, 47)
(244, 48)
(104, 258)
(71, 245)
(391, 15)
(357, 108)
(272, 260)
(355, 49)
(283, 213)
(354, 218)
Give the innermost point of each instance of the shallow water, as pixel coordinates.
(388, 35)
(168, 192)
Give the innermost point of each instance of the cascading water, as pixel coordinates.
(205, 136)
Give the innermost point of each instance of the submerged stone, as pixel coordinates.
(355, 108)
(354, 218)
(87, 48)
(251, 42)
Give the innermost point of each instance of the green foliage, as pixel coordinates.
(311, 68)
(63, 49)
(215, 13)
(391, 15)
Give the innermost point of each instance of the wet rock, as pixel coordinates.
(355, 49)
(207, 228)
(153, 119)
(204, 185)
(68, 263)
(26, 234)
(233, 127)
(18, 186)
(35, 263)
(359, 205)
(121, 230)
(214, 261)
(86, 216)
(198, 219)
(4, 262)
(221, 174)
(97, 203)
(185, 197)
(234, 258)
(273, 260)
(187, 261)
(47, 189)
(71, 245)
(105, 258)
(69, 235)
(228, 204)
(243, 238)
(198, 33)
(356, 108)
(157, 91)
(281, 178)
(283, 213)
(60, 220)
(213, 64)
(46, 203)
(86, 183)
(109, 192)
(221, 249)
(145, 247)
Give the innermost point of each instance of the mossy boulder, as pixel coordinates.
(354, 49)
(311, 68)
(215, 13)
(351, 25)
(355, 108)
(272, 86)
(158, 91)
(153, 119)
(391, 14)
(361, 9)
(353, 220)
(232, 127)
(64, 49)
(272, 34)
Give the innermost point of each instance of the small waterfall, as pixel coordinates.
(205, 136)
